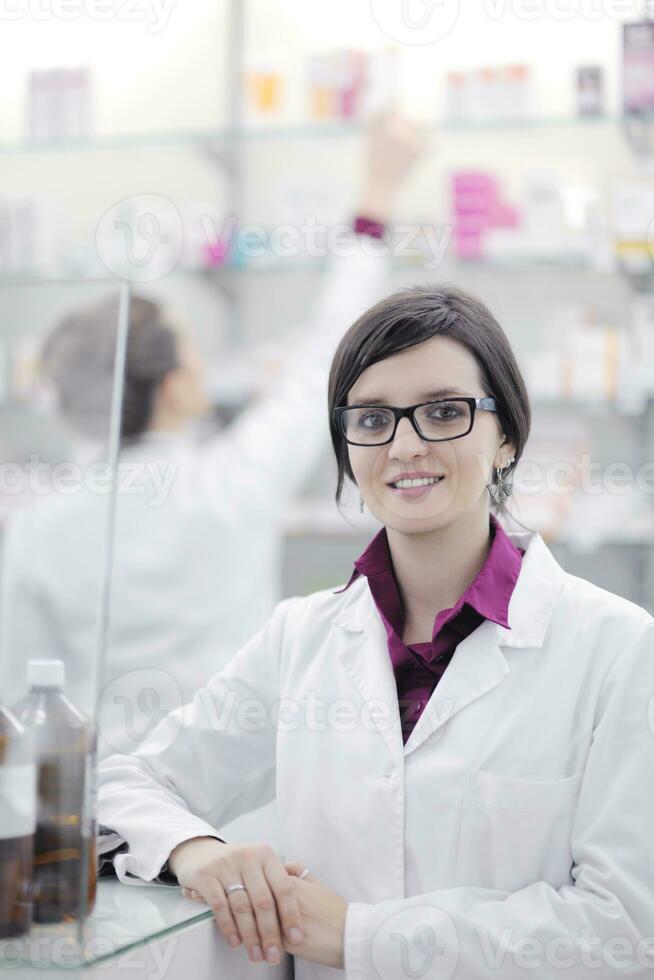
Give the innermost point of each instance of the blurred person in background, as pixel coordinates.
(198, 536)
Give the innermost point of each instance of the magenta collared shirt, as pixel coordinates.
(419, 668)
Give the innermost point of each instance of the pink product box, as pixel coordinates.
(477, 206)
(471, 181)
(471, 223)
(498, 215)
(504, 216)
(472, 202)
(468, 245)
(638, 67)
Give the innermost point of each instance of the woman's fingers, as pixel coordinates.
(264, 913)
(221, 908)
(265, 909)
(288, 907)
(243, 913)
(296, 868)
(192, 893)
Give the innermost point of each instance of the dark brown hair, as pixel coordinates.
(408, 318)
(79, 354)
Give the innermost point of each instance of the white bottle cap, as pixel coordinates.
(46, 673)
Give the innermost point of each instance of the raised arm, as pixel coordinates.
(264, 457)
(25, 627)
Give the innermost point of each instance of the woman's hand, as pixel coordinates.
(323, 914)
(266, 916)
(393, 145)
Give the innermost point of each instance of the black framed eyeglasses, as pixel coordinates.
(434, 421)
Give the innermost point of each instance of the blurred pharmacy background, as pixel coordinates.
(212, 134)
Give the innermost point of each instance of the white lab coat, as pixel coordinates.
(512, 831)
(195, 576)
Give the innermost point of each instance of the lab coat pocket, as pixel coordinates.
(516, 831)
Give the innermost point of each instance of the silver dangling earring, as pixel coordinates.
(360, 504)
(501, 491)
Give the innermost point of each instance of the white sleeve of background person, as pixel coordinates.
(25, 631)
(204, 765)
(264, 457)
(601, 926)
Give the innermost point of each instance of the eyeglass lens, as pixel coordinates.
(436, 420)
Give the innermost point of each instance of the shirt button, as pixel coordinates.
(392, 778)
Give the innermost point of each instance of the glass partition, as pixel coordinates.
(62, 348)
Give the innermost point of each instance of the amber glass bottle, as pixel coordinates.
(17, 823)
(64, 744)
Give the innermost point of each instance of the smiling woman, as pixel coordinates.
(467, 682)
(431, 470)
(442, 350)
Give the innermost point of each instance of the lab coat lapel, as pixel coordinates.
(363, 654)
(478, 665)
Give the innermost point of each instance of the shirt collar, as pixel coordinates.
(489, 593)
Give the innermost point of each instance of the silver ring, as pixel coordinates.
(234, 888)
(305, 873)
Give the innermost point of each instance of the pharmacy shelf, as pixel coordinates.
(589, 406)
(300, 130)
(271, 265)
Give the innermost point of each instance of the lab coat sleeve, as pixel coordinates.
(266, 454)
(205, 764)
(600, 926)
(25, 630)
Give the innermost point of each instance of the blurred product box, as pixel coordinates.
(383, 70)
(638, 67)
(59, 104)
(591, 364)
(633, 205)
(477, 208)
(456, 96)
(548, 472)
(25, 370)
(5, 369)
(580, 360)
(265, 89)
(351, 84)
(590, 91)
(489, 94)
(33, 236)
(640, 381)
(543, 208)
(555, 224)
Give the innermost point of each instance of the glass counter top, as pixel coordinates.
(125, 916)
